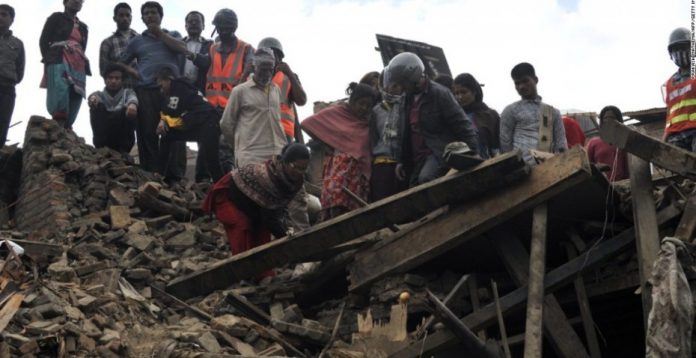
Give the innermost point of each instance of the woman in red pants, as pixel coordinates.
(251, 201)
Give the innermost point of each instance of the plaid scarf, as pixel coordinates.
(266, 184)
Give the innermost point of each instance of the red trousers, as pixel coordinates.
(241, 233)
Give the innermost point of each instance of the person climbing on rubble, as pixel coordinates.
(680, 93)
(251, 201)
(347, 164)
(387, 123)
(187, 116)
(435, 119)
(291, 93)
(612, 161)
(520, 123)
(112, 112)
(63, 43)
(469, 94)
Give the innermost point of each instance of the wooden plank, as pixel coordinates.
(248, 309)
(450, 296)
(407, 206)
(649, 149)
(560, 333)
(584, 304)
(533, 333)
(515, 300)
(501, 320)
(41, 249)
(9, 309)
(687, 224)
(647, 236)
(472, 345)
(470, 220)
(475, 302)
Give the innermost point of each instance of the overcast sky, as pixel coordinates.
(587, 53)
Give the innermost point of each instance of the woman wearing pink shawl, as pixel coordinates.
(344, 129)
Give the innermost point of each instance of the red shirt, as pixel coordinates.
(574, 134)
(600, 152)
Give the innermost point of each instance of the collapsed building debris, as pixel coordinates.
(100, 258)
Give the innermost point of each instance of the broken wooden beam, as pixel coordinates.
(649, 149)
(533, 332)
(560, 333)
(248, 309)
(588, 324)
(406, 206)
(516, 299)
(645, 221)
(450, 296)
(39, 249)
(470, 220)
(472, 345)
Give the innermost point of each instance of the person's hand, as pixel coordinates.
(155, 29)
(400, 172)
(284, 68)
(92, 101)
(290, 233)
(131, 110)
(161, 128)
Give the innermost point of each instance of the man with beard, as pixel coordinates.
(251, 121)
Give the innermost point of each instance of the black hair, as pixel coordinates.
(154, 4)
(10, 10)
(293, 152)
(614, 109)
(467, 80)
(522, 70)
(166, 73)
(356, 91)
(122, 5)
(112, 67)
(369, 78)
(194, 12)
(445, 80)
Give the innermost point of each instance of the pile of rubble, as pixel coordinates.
(100, 258)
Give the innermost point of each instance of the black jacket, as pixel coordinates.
(441, 120)
(202, 63)
(57, 28)
(274, 221)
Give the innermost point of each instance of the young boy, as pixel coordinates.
(113, 112)
(12, 61)
(187, 116)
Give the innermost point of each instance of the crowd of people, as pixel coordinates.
(239, 103)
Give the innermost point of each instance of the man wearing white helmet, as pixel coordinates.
(434, 116)
(291, 90)
(680, 96)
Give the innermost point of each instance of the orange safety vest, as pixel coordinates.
(681, 105)
(287, 112)
(221, 79)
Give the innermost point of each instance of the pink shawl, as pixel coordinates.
(341, 130)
